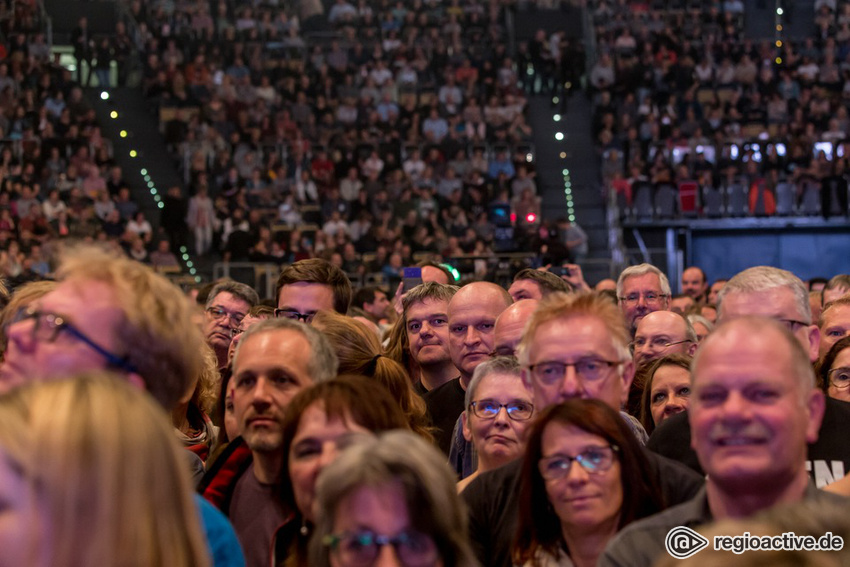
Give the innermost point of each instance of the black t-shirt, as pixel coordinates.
(493, 502)
(445, 404)
(829, 456)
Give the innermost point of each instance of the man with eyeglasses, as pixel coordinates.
(108, 312)
(497, 415)
(779, 295)
(307, 286)
(661, 333)
(574, 346)
(642, 289)
(754, 408)
(227, 305)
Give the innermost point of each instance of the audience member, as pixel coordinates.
(753, 449)
(390, 490)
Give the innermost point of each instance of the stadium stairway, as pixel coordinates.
(797, 20)
(152, 170)
(576, 154)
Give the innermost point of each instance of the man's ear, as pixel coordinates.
(814, 342)
(692, 349)
(526, 378)
(816, 405)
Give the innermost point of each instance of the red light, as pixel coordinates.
(513, 217)
(531, 217)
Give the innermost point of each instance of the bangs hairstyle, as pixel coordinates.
(564, 306)
(316, 270)
(433, 505)
(343, 398)
(539, 527)
(158, 331)
(110, 480)
(645, 376)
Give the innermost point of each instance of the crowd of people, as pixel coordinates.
(738, 127)
(549, 423)
(392, 133)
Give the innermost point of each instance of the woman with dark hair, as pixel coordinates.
(833, 371)
(666, 390)
(584, 478)
(320, 421)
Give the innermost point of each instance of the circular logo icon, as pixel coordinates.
(682, 542)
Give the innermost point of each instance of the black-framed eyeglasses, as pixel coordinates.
(650, 298)
(551, 371)
(839, 377)
(219, 313)
(361, 548)
(294, 315)
(592, 459)
(47, 326)
(658, 343)
(489, 409)
(792, 324)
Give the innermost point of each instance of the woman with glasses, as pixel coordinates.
(584, 478)
(319, 422)
(497, 416)
(834, 371)
(390, 500)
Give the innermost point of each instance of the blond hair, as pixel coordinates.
(101, 461)
(23, 296)
(157, 331)
(561, 305)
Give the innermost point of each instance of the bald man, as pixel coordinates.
(472, 321)
(661, 333)
(507, 334)
(510, 325)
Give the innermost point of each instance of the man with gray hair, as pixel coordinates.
(753, 410)
(227, 305)
(275, 360)
(781, 296)
(773, 293)
(642, 289)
